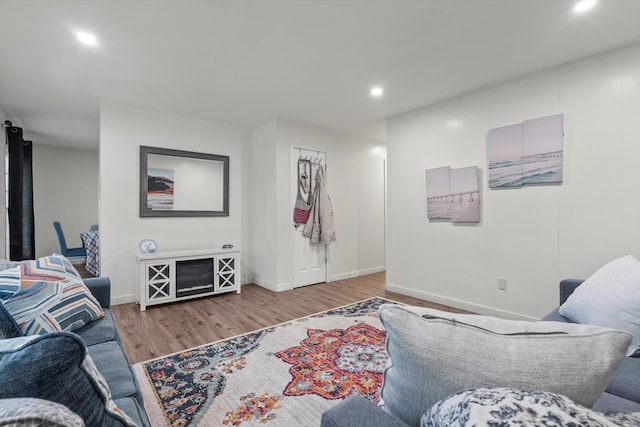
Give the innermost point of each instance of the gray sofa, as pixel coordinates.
(36, 373)
(622, 394)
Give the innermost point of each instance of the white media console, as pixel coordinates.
(179, 275)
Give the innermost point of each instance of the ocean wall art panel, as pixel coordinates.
(530, 152)
(453, 194)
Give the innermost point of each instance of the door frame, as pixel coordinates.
(292, 199)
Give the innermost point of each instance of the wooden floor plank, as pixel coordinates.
(170, 328)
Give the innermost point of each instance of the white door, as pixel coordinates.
(309, 260)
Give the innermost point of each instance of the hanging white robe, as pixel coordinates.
(320, 226)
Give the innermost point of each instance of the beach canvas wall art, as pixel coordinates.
(438, 192)
(160, 188)
(530, 152)
(453, 194)
(466, 194)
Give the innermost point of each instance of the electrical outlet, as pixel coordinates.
(502, 283)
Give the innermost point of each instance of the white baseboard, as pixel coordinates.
(456, 303)
(279, 287)
(350, 274)
(124, 299)
(273, 286)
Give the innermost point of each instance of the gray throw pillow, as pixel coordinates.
(610, 298)
(433, 354)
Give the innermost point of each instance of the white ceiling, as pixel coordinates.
(245, 62)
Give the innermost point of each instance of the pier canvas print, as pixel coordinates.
(453, 194)
(526, 153)
(438, 191)
(464, 189)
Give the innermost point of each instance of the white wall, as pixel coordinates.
(263, 233)
(65, 189)
(122, 131)
(355, 182)
(260, 217)
(533, 236)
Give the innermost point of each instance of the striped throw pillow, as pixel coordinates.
(47, 295)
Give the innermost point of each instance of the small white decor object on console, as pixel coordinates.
(179, 275)
(148, 246)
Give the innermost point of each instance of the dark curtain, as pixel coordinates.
(20, 186)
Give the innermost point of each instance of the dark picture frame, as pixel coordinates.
(194, 197)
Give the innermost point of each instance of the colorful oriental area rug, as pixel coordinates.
(284, 375)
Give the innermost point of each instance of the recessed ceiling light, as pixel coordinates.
(377, 91)
(86, 38)
(584, 5)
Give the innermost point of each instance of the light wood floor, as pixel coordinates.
(170, 328)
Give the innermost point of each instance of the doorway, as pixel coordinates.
(309, 259)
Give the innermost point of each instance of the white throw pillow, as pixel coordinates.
(610, 298)
(433, 354)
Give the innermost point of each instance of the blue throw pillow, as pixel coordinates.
(47, 295)
(609, 298)
(56, 367)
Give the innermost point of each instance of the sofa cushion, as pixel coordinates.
(56, 367)
(555, 316)
(433, 354)
(610, 298)
(358, 411)
(611, 403)
(624, 382)
(112, 363)
(135, 411)
(101, 331)
(47, 295)
(36, 412)
(503, 406)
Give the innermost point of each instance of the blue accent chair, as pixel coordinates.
(64, 250)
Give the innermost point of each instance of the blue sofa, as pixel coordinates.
(34, 367)
(622, 394)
